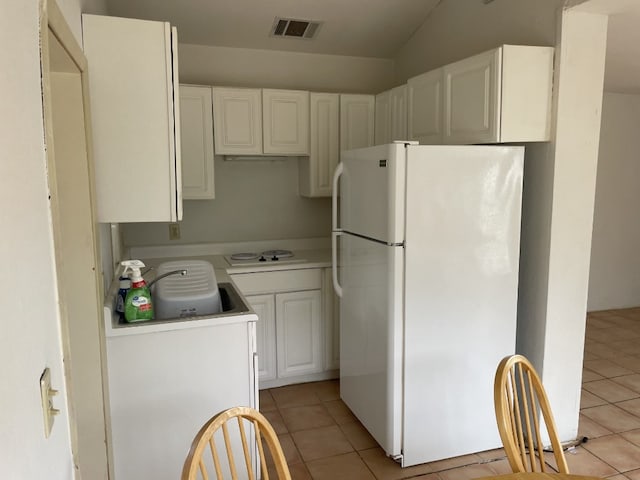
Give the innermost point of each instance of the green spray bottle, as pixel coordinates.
(137, 304)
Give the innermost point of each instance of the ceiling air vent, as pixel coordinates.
(288, 27)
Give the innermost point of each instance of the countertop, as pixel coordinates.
(309, 258)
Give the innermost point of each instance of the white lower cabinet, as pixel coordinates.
(295, 329)
(264, 306)
(298, 333)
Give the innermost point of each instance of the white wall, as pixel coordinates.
(615, 252)
(258, 200)
(459, 28)
(30, 339)
(255, 200)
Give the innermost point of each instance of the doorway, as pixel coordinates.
(79, 282)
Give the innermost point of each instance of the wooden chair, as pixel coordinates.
(199, 462)
(519, 397)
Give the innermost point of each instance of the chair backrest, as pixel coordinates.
(519, 398)
(204, 456)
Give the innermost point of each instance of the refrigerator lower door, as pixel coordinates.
(371, 337)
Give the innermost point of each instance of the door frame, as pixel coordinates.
(90, 442)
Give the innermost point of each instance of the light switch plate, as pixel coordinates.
(46, 394)
(174, 231)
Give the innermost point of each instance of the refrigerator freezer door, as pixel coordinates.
(372, 192)
(461, 286)
(371, 337)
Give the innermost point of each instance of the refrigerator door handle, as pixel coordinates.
(334, 262)
(334, 197)
(335, 231)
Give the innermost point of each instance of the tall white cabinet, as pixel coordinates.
(316, 170)
(196, 127)
(357, 120)
(285, 120)
(133, 91)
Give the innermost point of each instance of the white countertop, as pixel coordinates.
(313, 258)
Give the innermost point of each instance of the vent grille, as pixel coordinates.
(292, 28)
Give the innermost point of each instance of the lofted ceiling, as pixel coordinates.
(366, 28)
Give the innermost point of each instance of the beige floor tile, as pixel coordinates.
(358, 436)
(602, 350)
(321, 442)
(266, 401)
(469, 472)
(613, 418)
(428, 476)
(340, 412)
(631, 362)
(328, 390)
(298, 471)
(455, 462)
(606, 368)
(386, 469)
(598, 323)
(589, 376)
(618, 476)
(590, 356)
(289, 449)
(495, 454)
(340, 467)
(632, 475)
(632, 436)
(276, 421)
(582, 462)
(588, 399)
(306, 417)
(610, 390)
(294, 395)
(501, 467)
(590, 429)
(631, 382)
(616, 451)
(631, 406)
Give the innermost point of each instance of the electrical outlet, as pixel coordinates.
(46, 396)
(174, 231)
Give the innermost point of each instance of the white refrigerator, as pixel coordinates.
(426, 244)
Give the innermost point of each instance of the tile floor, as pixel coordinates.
(323, 440)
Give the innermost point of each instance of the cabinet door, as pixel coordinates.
(356, 121)
(264, 306)
(398, 113)
(285, 120)
(134, 127)
(472, 99)
(383, 118)
(298, 333)
(196, 127)
(424, 105)
(237, 121)
(316, 171)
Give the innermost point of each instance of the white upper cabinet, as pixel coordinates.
(383, 118)
(237, 121)
(133, 90)
(316, 170)
(285, 120)
(424, 107)
(356, 121)
(391, 115)
(398, 113)
(499, 96)
(196, 127)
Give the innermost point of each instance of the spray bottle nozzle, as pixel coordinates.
(134, 266)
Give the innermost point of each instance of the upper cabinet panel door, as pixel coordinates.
(424, 105)
(316, 170)
(472, 99)
(237, 121)
(356, 121)
(134, 123)
(383, 118)
(196, 127)
(398, 113)
(285, 117)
